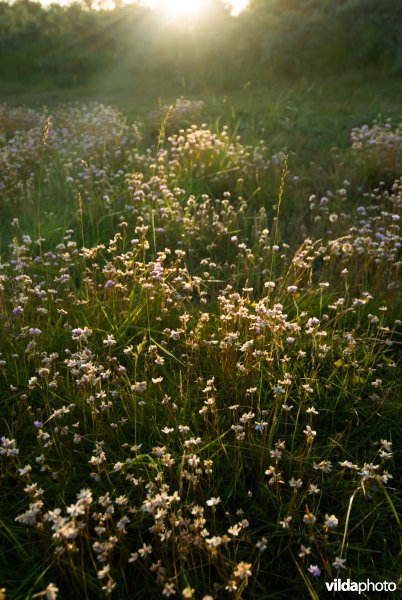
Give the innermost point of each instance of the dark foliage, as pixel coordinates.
(72, 45)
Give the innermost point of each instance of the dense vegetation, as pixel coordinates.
(71, 45)
(194, 401)
(200, 302)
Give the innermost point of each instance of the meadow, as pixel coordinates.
(200, 339)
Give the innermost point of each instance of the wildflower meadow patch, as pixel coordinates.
(197, 401)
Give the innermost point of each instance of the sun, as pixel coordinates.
(184, 7)
(191, 8)
(180, 8)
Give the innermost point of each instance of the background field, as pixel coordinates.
(200, 327)
(308, 119)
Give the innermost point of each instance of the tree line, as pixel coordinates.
(75, 44)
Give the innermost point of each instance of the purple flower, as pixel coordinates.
(34, 331)
(314, 570)
(80, 334)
